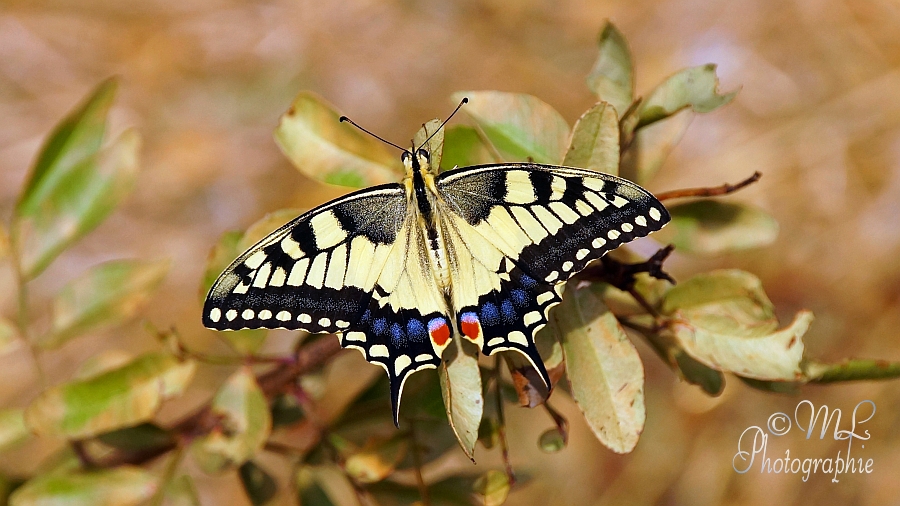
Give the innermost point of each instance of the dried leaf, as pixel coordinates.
(725, 320)
(492, 488)
(519, 126)
(595, 141)
(323, 148)
(107, 294)
(711, 227)
(612, 77)
(435, 146)
(118, 398)
(376, 461)
(604, 369)
(71, 200)
(244, 424)
(463, 147)
(461, 390)
(696, 87)
(122, 486)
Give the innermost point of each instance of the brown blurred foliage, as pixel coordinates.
(206, 80)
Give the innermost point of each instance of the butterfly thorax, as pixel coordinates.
(420, 189)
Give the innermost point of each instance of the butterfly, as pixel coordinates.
(398, 270)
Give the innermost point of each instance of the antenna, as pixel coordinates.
(348, 120)
(465, 100)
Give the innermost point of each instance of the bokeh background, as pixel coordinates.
(205, 82)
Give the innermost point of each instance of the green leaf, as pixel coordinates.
(286, 411)
(137, 438)
(492, 487)
(107, 294)
(696, 87)
(118, 398)
(612, 77)
(604, 369)
(122, 486)
(710, 380)
(435, 146)
(520, 126)
(244, 424)
(12, 427)
(712, 227)
(595, 141)
(77, 137)
(324, 149)
(376, 461)
(652, 145)
(461, 390)
(258, 484)
(72, 201)
(463, 147)
(724, 320)
(324, 486)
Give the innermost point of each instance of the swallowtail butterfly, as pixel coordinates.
(398, 270)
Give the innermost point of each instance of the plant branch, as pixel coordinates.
(501, 424)
(714, 191)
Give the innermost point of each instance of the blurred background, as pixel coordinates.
(205, 82)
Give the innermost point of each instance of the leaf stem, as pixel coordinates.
(501, 423)
(852, 370)
(714, 191)
(23, 320)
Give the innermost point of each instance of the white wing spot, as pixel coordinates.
(545, 297)
(619, 201)
(324, 322)
(565, 212)
(327, 230)
(341, 324)
(582, 253)
(291, 247)
(248, 314)
(627, 227)
(613, 234)
(241, 288)
(401, 363)
(356, 336)
(262, 275)
(379, 350)
(641, 221)
(598, 242)
(557, 187)
(298, 272)
(424, 357)
(655, 214)
(265, 314)
(518, 337)
(255, 260)
(231, 314)
(567, 266)
(552, 277)
(547, 219)
(283, 316)
(497, 341)
(215, 314)
(304, 318)
(519, 189)
(596, 201)
(531, 317)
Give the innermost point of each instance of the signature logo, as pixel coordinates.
(753, 443)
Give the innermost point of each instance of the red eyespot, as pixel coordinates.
(439, 331)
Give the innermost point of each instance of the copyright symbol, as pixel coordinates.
(779, 424)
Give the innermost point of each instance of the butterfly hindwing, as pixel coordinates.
(526, 229)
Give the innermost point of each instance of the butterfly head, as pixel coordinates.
(418, 162)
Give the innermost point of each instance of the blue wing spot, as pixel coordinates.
(366, 316)
(519, 297)
(527, 281)
(398, 338)
(509, 312)
(416, 331)
(469, 317)
(489, 314)
(380, 326)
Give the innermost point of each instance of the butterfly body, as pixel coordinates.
(399, 270)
